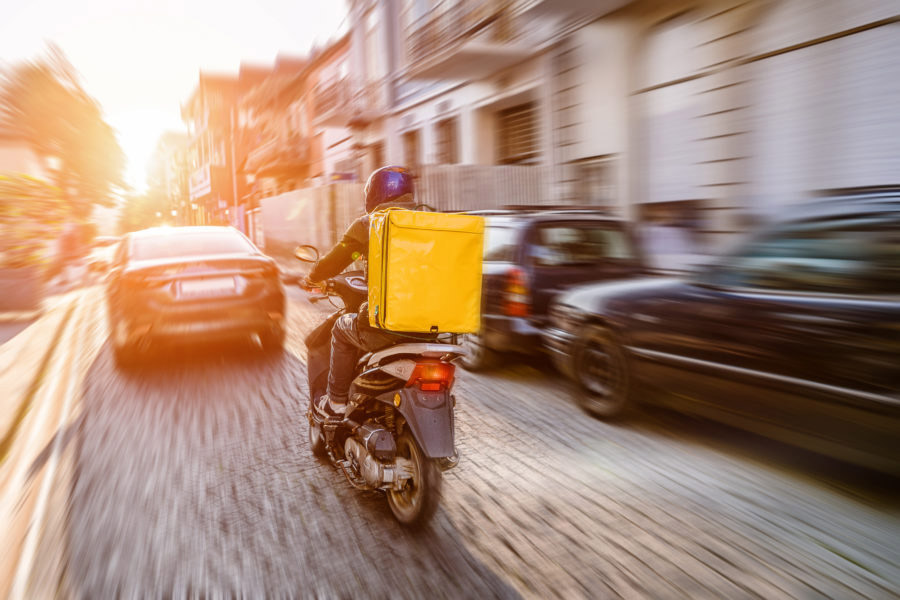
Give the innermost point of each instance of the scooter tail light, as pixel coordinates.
(432, 376)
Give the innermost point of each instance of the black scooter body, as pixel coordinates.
(429, 416)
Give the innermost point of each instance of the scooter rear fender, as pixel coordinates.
(429, 416)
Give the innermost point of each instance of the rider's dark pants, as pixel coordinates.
(350, 338)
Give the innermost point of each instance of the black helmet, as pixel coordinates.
(388, 184)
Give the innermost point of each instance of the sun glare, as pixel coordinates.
(138, 132)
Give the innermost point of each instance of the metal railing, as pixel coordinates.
(347, 102)
(475, 187)
(331, 96)
(289, 148)
(451, 24)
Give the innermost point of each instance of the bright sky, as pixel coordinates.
(140, 58)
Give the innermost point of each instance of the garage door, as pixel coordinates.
(827, 117)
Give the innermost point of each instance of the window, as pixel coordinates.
(596, 182)
(374, 65)
(844, 257)
(500, 244)
(579, 244)
(447, 146)
(411, 150)
(378, 154)
(886, 259)
(174, 245)
(517, 134)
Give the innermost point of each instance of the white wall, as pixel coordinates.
(603, 92)
(337, 145)
(17, 157)
(828, 118)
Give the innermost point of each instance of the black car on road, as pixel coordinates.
(187, 284)
(530, 257)
(796, 335)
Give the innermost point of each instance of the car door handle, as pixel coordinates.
(811, 319)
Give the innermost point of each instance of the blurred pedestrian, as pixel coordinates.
(68, 254)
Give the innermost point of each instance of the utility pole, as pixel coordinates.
(233, 167)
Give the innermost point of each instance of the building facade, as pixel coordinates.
(216, 148)
(707, 116)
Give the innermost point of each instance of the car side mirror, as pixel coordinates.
(113, 273)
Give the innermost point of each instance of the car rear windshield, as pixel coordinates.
(580, 244)
(174, 245)
(500, 243)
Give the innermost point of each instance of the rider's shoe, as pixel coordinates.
(331, 409)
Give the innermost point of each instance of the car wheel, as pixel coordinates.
(124, 351)
(601, 371)
(478, 356)
(273, 339)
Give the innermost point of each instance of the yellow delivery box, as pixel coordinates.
(425, 271)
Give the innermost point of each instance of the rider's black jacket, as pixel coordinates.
(353, 246)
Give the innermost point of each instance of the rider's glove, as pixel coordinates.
(310, 285)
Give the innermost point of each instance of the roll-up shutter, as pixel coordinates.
(827, 117)
(668, 113)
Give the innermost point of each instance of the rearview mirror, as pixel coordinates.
(306, 253)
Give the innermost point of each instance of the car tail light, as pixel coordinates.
(515, 294)
(145, 282)
(432, 376)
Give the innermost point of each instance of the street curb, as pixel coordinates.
(35, 384)
(22, 581)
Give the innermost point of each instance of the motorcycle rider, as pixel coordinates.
(386, 187)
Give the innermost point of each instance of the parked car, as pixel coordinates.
(101, 255)
(796, 335)
(530, 257)
(186, 284)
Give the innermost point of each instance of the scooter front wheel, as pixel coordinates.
(316, 438)
(415, 503)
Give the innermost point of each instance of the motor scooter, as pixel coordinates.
(397, 434)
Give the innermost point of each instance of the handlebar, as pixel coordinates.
(349, 287)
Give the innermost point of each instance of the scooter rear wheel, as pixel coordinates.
(416, 503)
(316, 439)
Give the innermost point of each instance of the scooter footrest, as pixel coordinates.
(347, 469)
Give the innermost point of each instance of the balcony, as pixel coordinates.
(338, 104)
(569, 8)
(279, 155)
(467, 40)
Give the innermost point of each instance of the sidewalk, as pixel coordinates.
(13, 322)
(10, 319)
(10, 329)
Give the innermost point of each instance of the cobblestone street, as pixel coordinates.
(192, 477)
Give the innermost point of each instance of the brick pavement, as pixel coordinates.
(194, 479)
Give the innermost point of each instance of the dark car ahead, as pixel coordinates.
(796, 335)
(529, 258)
(187, 284)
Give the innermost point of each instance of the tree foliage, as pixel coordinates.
(139, 211)
(30, 211)
(43, 102)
